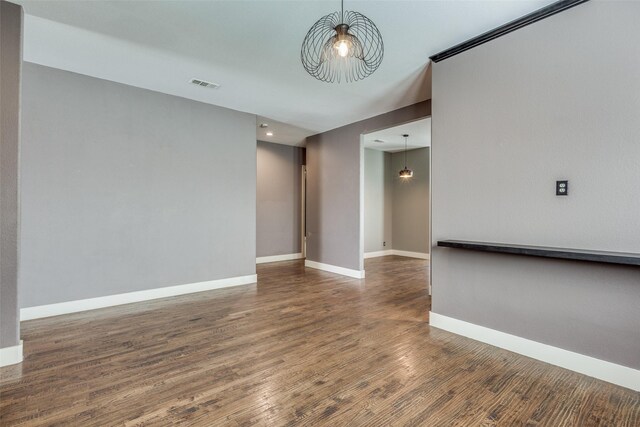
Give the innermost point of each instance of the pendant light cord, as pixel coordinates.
(342, 11)
(405, 152)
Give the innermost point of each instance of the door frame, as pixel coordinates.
(303, 211)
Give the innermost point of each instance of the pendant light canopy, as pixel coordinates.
(342, 45)
(406, 172)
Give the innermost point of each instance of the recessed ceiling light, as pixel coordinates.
(269, 133)
(264, 125)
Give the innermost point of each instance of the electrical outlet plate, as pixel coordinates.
(562, 188)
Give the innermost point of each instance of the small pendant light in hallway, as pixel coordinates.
(406, 172)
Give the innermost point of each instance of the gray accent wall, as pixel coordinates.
(279, 199)
(558, 99)
(410, 224)
(126, 189)
(11, 19)
(378, 201)
(334, 164)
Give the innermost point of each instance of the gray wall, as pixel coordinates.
(10, 69)
(279, 199)
(333, 187)
(411, 202)
(378, 203)
(558, 99)
(125, 189)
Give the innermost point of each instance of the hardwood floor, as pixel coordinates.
(303, 347)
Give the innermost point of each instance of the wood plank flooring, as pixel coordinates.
(302, 347)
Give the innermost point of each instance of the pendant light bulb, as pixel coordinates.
(343, 48)
(406, 173)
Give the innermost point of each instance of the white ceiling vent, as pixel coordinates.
(205, 83)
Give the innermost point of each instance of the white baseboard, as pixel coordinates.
(356, 274)
(419, 255)
(40, 311)
(388, 252)
(378, 254)
(603, 370)
(276, 258)
(11, 355)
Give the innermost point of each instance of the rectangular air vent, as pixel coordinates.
(205, 83)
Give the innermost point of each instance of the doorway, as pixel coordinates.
(396, 208)
(280, 202)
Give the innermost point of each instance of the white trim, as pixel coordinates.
(149, 294)
(303, 210)
(396, 252)
(419, 255)
(603, 370)
(335, 269)
(276, 258)
(11, 355)
(361, 207)
(378, 254)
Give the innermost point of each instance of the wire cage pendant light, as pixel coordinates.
(406, 172)
(343, 45)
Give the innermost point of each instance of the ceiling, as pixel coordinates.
(419, 132)
(280, 133)
(252, 49)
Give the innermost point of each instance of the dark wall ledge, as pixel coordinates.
(546, 252)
